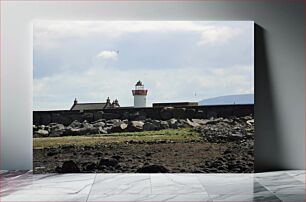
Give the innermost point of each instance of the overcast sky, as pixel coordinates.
(176, 60)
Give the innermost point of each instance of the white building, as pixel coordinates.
(140, 95)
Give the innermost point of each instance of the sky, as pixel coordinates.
(176, 61)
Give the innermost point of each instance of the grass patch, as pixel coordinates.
(167, 134)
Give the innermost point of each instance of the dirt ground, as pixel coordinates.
(192, 156)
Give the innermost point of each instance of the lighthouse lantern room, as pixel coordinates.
(140, 95)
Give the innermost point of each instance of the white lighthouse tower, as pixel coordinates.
(140, 95)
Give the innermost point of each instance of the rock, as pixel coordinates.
(98, 124)
(164, 125)
(135, 126)
(75, 124)
(166, 113)
(98, 121)
(89, 131)
(178, 113)
(151, 126)
(112, 122)
(152, 169)
(223, 130)
(41, 133)
(35, 128)
(56, 129)
(192, 124)
(102, 131)
(69, 167)
(43, 127)
(173, 123)
(108, 162)
(72, 131)
(250, 122)
(214, 120)
(200, 121)
(119, 127)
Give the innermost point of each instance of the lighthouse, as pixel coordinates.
(140, 95)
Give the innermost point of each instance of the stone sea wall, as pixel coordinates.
(66, 117)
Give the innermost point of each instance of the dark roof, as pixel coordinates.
(88, 106)
(139, 83)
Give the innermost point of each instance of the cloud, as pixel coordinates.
(209, 33)
(188, 84)
(218, 35)
(108, 55)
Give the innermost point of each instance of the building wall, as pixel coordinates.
(279, 67)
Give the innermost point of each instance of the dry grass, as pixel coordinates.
(167, 134)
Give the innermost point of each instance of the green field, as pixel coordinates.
(185, 134)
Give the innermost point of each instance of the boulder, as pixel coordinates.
(75, 124)
(69, 167)
(107, 129)
(200, 121)
(89, 130)
(166, 113)
(173, 123)
(72, 131)
(152, 169)
(102, 130)
(214, 120)
(192, 124)
(135, 126)
(112, 122)
(164, 125)
(250, 122)
(98, 124)
(151, 126)
(43, 127)
(56, 129)
(35, 128)
(41, 133)
(119, 127)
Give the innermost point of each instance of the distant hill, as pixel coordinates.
(229, 99)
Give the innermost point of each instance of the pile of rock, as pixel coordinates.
(213, 130)
(228, 129)
(103, 126)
